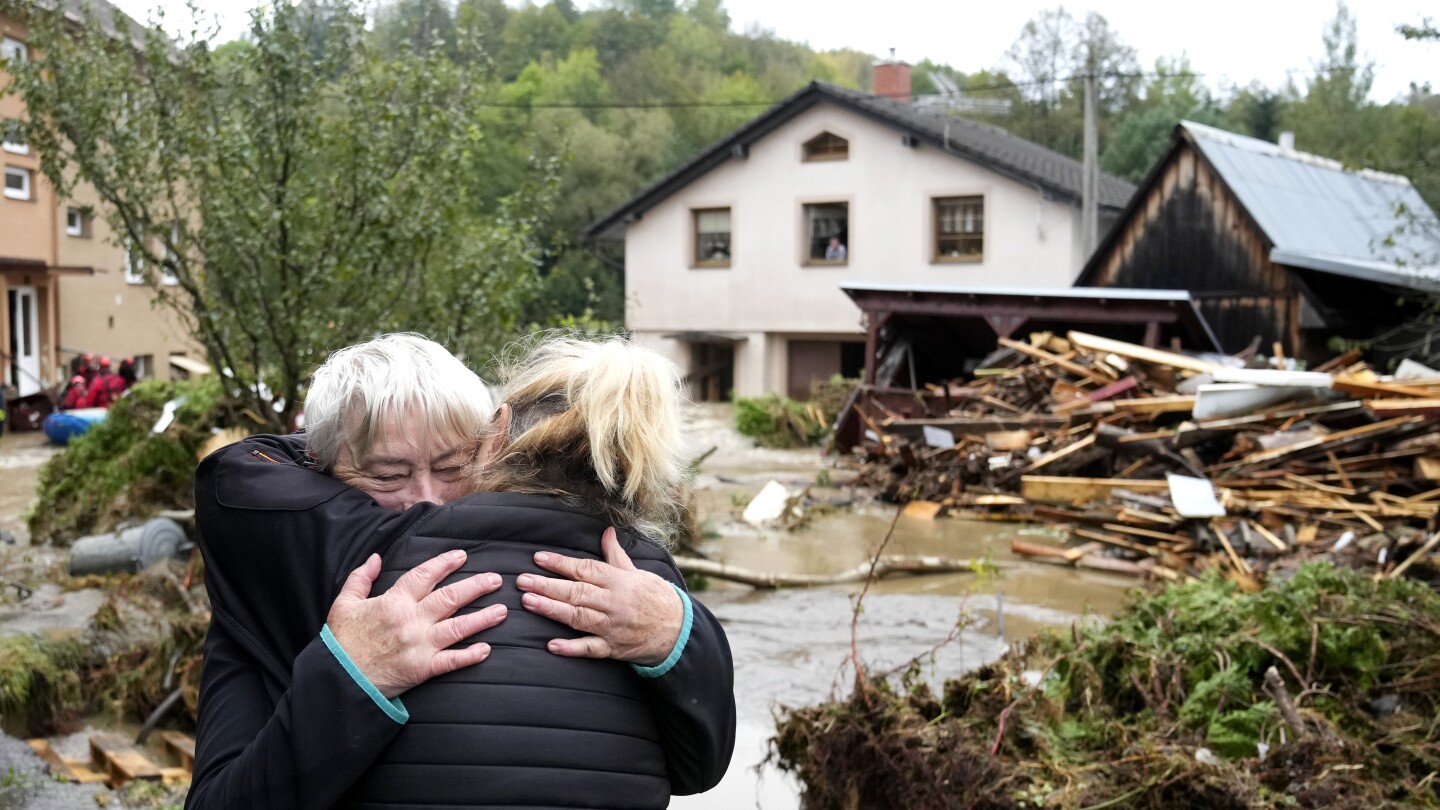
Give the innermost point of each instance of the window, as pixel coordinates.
(167, 273)
(134, 264)
(712, 237)
(13, 137)
(77, 222)
(827, 146)
(144, 366)
(827, 226)
(17, 183)
(12, 49)
(959, 229)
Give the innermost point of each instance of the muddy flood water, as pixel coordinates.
(793, 647)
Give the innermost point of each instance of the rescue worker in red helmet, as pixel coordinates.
(74, 393)
(106, 388)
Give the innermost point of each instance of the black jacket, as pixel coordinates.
(527, 728)
(282, 725)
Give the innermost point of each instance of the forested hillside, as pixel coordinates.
(624, 92)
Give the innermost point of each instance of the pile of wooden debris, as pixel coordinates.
(1165, 464)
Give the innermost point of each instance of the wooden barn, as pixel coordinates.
(1273, 244)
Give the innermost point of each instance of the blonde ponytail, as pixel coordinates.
(597, 422)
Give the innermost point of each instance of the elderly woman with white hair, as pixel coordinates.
(299, 703)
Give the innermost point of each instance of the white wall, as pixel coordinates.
(1029, 241)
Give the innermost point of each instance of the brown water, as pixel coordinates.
(793, 647)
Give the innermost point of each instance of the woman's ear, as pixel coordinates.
(498, 436)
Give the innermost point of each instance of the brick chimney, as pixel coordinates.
(892, 79)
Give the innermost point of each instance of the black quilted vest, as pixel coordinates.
(525, 728)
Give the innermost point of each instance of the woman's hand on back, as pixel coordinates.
(401, 638)
(631, 615)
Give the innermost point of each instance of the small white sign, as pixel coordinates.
(938, 437)
(1194, 497)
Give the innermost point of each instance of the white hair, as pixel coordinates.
(360, 389)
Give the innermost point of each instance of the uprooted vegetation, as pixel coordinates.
(142, 643)
(1165, 707)
(121, 469)
(776, 421)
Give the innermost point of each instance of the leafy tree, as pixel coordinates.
(1143, 133)
(1335, 117)
(531, 34)
(1256, 110)
(479, 25)
(284, 203)
(423, 25)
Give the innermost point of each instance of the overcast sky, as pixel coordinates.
(1228, 41)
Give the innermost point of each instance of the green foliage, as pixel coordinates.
(303, 190)
(776, 421)
(120, 469)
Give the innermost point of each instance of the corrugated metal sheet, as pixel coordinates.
(1312, 206)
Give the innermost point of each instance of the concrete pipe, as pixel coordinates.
(132, 550)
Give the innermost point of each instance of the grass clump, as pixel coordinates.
(120, 470)
(40, 681)
(1123, 711)
(780, 422)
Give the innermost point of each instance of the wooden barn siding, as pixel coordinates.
(1191, 234)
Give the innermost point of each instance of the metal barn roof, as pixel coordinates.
(1322, 216)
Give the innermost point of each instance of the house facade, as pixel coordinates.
(1279, 247)
(734, 263)
(65, 282)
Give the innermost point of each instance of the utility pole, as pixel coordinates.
(1090, 173)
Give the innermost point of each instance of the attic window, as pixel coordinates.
(827, 146)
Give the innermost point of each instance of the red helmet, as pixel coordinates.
(87, 357)
(104, 362)
(77, 380)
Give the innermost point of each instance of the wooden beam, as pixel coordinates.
(1095, 343)
(1066, 489)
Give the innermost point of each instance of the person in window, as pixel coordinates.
(304, 675)
(835, 251)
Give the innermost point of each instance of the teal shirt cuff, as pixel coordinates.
(674, 657)
(393, 709)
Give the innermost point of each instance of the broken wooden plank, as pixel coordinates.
(117, 757)
(1064, 489)
(181, 746)
(1070, 366)
(1376, 390)
(1240, 565)
(1268, 535)
(67, 769)
(1316, 485)
(924, 510)
(1164, 404)
(1119, 542)
(1364, 431)
(1007, 439)
(1069, 450)
(1421, 553)
(1100, 394)
(1404, 407)
(1095, 343)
